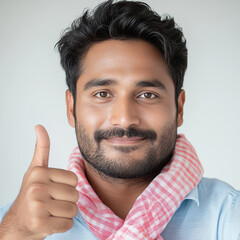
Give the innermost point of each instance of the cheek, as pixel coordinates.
(91, 117)
(158, 116)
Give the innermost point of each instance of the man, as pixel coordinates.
(135, 178)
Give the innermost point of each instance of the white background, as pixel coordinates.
(32, 83)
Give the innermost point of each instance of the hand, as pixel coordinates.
(47, 199)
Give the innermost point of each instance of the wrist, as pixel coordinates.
(9, 234)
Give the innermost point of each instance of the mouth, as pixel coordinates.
(125, 140)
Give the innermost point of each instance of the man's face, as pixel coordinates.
(126, 120)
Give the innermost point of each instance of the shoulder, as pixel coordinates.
(219, 206)
(210, 211)
(217, 186)
(218, 193)
(213, 191)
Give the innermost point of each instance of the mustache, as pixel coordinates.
(119, 132)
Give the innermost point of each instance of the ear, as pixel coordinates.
(181, 101)
(70, 108)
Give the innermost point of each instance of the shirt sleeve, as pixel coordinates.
(235, 218)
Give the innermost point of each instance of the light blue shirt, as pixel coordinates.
(210, 212)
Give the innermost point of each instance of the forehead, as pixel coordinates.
(125, 61)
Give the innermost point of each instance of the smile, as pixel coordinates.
(125, 140)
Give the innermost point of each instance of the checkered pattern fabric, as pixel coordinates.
(153, 209)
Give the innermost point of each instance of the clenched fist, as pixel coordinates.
(47, 199)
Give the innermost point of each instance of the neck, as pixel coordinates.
(117, 194)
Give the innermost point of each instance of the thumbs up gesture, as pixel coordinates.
(47, 199)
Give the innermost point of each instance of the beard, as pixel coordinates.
(128, 164)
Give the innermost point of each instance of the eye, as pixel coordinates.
(102, 94)
(147, 95)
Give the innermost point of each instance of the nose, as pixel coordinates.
(124, 113)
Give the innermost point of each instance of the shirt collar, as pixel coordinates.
(193, 195)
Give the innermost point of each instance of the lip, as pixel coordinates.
(125, 140)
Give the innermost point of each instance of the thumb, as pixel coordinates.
(42, 147)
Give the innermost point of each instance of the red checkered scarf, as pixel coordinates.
(153, 209)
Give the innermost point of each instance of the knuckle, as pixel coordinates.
(35, 224)
(71, 210)
(75, 210)
(37, 172)
(63, 226)
(75, 195)
(36, 206)
(36, 189)
(74, 178)
(70, 224)
(67, 225)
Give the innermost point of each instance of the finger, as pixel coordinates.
(63, 192)
(42, 148)
(62, 176)
(62, 209)
(59, 224)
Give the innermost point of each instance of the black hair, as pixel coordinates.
(123, 20)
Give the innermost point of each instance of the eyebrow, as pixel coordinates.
(99, 82)
(152, 83)
(110, 82)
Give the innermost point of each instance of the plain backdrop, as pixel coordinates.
(32, 83)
